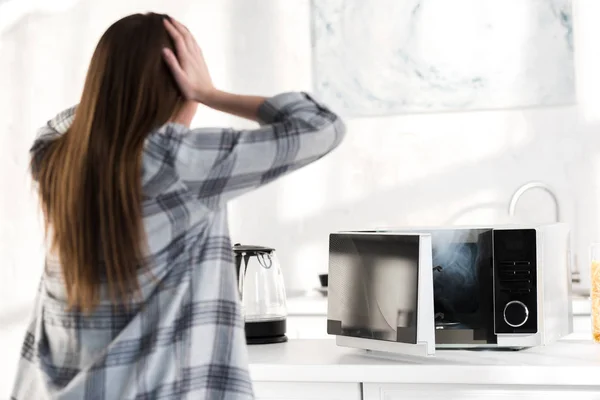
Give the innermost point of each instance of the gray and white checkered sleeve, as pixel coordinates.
(57, 126)
(295, 131)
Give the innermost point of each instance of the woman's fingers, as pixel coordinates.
(187, 63)
(178, 38)
(178, 73)
(180, 27)
(186, 34)
(173, 62)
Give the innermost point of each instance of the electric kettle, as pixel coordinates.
(262, 292)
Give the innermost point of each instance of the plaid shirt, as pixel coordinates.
(185, 340)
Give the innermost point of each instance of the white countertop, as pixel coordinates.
(321, 360)
(568, 362)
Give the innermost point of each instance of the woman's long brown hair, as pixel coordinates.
(90, 178)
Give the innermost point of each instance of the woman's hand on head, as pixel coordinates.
(192, 76)
(188, 66)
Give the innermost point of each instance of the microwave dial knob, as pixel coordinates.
(515, 314)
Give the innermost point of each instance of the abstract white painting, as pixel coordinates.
(384, 57)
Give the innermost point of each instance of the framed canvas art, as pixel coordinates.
(387, 57)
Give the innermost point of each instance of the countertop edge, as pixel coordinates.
(527, 375)
(568, 363)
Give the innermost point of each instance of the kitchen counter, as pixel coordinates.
(565, 363)
(320, 370)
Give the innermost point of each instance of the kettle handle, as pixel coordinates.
(239, 272)
(238, 262)
(262, 262)
(238, 265)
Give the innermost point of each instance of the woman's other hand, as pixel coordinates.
(188, 66)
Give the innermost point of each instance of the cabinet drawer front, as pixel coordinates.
(307, 391)
(475, 392)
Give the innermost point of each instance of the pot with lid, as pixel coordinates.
(262, 293)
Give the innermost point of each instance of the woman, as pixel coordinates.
(138, 299)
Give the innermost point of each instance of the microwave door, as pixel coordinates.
(380, 293)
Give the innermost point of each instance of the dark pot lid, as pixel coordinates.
(238, 248)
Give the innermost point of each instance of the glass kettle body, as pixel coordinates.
(262, 293)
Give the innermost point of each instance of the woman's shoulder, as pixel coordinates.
(178, 144)
(173, 133)
(159, 161)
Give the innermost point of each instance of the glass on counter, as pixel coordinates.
(595, 290)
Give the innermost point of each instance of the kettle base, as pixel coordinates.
(266, 331)
(266, 340)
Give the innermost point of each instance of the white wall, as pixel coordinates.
(420, 169)
(411, 170)
(408, 170)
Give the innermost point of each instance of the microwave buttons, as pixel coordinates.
(515, 314)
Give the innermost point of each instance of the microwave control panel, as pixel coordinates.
(515, 281)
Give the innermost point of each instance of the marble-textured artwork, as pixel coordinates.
(384, 57)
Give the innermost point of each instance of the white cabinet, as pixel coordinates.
(307, 391)
(374, 391)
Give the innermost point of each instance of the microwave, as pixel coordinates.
(412, 291)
